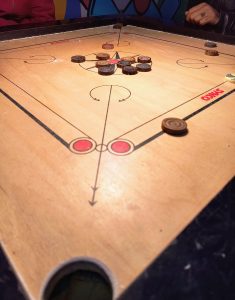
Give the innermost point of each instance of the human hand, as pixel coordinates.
(202, 14)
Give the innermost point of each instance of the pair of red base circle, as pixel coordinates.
(87, 145)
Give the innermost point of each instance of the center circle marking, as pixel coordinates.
(101, 148)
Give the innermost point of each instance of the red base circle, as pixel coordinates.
(121, 147)
(82, 146)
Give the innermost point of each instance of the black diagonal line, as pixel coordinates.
(145, 142)
(185, 119)
(100, 155)
(29, 114)
(48, 108)
(170, 110)
(92, 67)
(114, 54)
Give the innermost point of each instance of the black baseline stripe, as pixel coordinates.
(170, 110)
(208, 105)
(44, 105)
(148, 140)
(176, 43)
(185, 119)
(29, 114)
(58, 41)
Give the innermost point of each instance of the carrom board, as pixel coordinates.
(86, 170)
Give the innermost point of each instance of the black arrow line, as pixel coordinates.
(119, 36)
(58, 41)
(34, 59)
(174, 42)
(186, 63)
(95, 186)
(180, 62)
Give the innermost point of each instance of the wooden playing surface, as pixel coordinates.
(122, 209)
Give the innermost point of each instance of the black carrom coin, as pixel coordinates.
(129, 70)
(78, 59)
(106, 70)
(143, 67)
(174, 126)
(102, 56)
(123, 63)
(144, 59)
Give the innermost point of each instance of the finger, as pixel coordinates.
(204, 15)
(208, 16)
(192, 14)
(196, 17)
(197, 7)
(204, 21)
(200, 14)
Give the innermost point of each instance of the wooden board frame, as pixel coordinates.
(172, 196)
